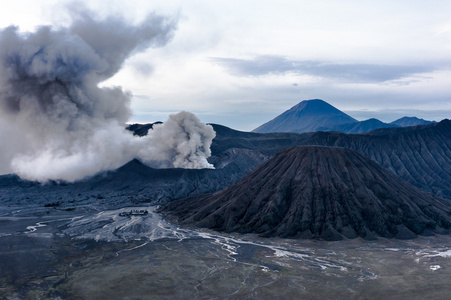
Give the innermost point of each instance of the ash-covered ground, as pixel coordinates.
(55, 253)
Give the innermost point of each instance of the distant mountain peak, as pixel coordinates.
(314, 103)
(306, 116)
(410, 121)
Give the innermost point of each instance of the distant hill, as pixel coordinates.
(307, 116)
(359, 127)
(410, 121)
(319, 192)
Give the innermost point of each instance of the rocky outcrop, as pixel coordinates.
(141, 129)
(319, 192)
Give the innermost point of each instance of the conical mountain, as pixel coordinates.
(307, 116)
(319, 192)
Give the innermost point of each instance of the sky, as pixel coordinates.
(242, 63)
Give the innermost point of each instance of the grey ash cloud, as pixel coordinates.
(352, 72)
(57, 123)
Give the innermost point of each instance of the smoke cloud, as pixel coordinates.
(56, 123)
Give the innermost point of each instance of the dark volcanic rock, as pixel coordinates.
(141, 129)
(319, 192)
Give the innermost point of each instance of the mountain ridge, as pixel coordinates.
(420, 154)
(359, 127)
(411, 121)
(236, 153)
(317, 115)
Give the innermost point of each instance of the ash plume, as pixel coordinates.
(183, 141)
(56, 123)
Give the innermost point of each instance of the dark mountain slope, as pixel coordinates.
(307, 116)
(319, 192)
(268, 144)
(421, 154)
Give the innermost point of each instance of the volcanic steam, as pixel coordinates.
(56, 123)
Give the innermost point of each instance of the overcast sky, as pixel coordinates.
(241, 63)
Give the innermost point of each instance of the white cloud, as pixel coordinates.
(341, 33)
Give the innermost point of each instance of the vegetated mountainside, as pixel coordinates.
(319, 192)
(410, 121)
(420, 155)
(359, 127)
(307, 116)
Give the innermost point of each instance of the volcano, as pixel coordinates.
(306, 116)
(318, 192)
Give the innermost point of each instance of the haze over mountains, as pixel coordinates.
(318, 115)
